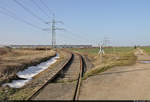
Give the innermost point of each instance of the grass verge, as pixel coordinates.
(117, 56)
(146, 49)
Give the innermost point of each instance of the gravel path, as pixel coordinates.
(125, 83)
(72, 72)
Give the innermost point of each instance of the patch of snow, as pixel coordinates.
(17, 83)
(30, 72)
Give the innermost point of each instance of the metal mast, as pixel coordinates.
(53, 29)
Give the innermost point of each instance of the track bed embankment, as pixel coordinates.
(64, 87)
(37, 81)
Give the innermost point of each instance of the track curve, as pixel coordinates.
(75, 86)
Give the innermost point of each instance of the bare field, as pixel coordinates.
(14, 60)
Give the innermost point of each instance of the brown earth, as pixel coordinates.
(125, 83)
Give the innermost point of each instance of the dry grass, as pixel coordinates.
(118, 56)
(15, 60)
(21, 58)
(111, 61)
(4, 51)
(25, 92)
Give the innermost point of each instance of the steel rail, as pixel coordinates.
(51, 79)
(79, 81)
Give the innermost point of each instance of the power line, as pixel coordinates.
(12, 15)
(40, 8)
(54, 28)
(72, 33)
(53, 22)
(79, 35)
(79, 38)
(46, 6)
(64, 24)
(70, 30)
(73, 38)
(29, 11)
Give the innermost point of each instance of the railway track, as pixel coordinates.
(72, 70)
(82, 70)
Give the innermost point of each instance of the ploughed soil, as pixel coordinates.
(122, 82)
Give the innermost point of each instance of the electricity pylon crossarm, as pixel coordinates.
(53, 29)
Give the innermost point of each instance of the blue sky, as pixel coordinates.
(124, 22)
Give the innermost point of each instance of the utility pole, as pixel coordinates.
(53, 32)
(101, 50)
(53, 29)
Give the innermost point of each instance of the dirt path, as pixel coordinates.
(125, 83)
